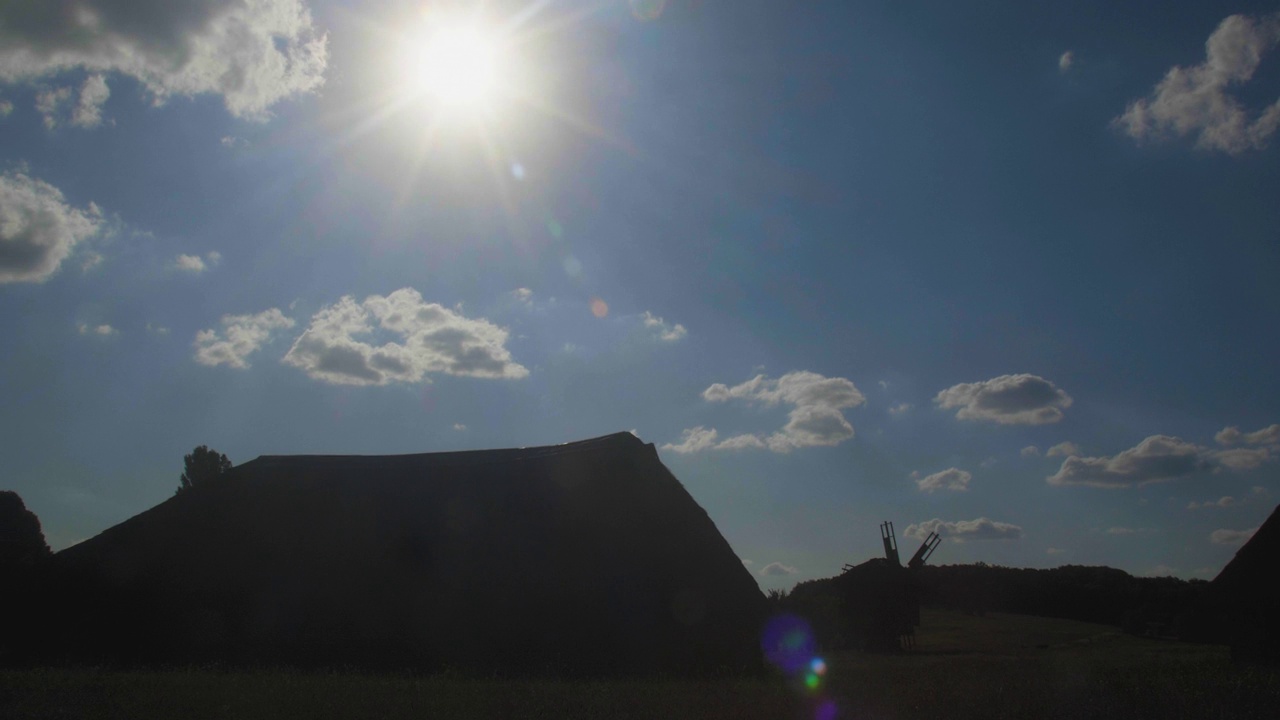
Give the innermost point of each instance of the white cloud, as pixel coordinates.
(523, 295)
(241, 336)
(1228, 436)
(38, 229)
(962, 530)
(434, 339)
(1009, 400)
(1158, 458)
(1231, 537)
(1223, 502)
(1065, 61)
(157, 329)
(666, 332)
(88, 110)
(231, 142)
(195, 264)
(777, 568)
(1155, 459)
(1063, 449)
(1194, 100)
(459, 427)
(815, 418)
(49, 103)
(899, 409)
(949, 479)
(99, 330)
(253, 53)
(1030, 451)
(696, 439)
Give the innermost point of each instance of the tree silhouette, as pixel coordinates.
(21, 540)
(202, 466)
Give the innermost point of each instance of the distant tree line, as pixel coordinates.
(1155, 606)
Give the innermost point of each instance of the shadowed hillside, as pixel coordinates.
(584, 558)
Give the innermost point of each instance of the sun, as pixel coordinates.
(459, 64)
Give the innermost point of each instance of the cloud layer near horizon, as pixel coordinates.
(962, 530)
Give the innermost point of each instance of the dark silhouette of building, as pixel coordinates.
(1246, 596)
(588, 558)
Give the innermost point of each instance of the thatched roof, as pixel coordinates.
(585, 557)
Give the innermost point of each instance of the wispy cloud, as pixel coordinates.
(777, 568)
(816, 417)
(950, 479)
(1065, 61)
(665, 331)
(1231, 537)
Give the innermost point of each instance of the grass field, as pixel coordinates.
(998, 666)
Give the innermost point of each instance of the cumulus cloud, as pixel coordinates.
(1065, 61)
(815, 418)
(962, 530)
(49, 103)
(253, 53)
(899, 409)
(38, 229)
(1231, 537)
(523, 295)
(1194, 100)
(433, 339)
(1030, 451)
(695, 439)
(1158, 458)
(195, 264)
(777, 568)
(664, 331)
(241, 336)
(1063, 449)
(949, 479)
(93, 95)
(1009, 400)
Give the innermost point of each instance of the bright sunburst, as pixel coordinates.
(458, 63)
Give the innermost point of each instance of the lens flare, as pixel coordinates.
(788, 643)
(599, 308)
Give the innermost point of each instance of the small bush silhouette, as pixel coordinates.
(202, 465)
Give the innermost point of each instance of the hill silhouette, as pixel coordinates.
(578, 559)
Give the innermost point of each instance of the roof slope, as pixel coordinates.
(584, 557)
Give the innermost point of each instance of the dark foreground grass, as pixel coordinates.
(992, 667)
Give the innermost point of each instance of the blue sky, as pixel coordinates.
(1006, 271)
